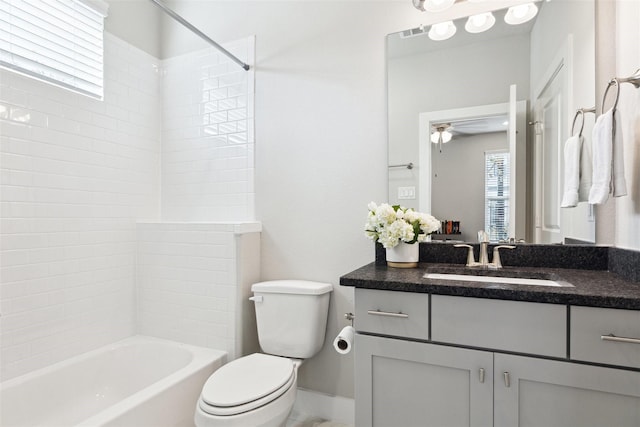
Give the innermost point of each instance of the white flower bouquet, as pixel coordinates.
(391, 225)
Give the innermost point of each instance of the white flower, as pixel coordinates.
(385, 214)
(391, 225)
(412, 215)
(429, 224)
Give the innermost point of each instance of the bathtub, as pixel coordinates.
(136, 382)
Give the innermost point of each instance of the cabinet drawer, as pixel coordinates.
(392, 313)
(524, 327)
(591, 329)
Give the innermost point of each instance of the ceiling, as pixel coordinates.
(480, 125)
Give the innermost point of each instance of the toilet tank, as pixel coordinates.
(291, 316)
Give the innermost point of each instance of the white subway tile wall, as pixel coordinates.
(208, 138)
(188, 283)
(76, 175)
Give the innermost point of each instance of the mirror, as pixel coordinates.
(480, 162)
(435, 82)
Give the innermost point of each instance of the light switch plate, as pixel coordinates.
(406, 193)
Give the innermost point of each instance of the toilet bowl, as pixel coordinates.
(259, 390)
(255, 390)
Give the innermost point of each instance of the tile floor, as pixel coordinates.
(313, 422)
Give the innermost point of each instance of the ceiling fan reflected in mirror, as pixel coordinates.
(441, 133)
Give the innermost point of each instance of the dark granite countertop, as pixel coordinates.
(595, 288)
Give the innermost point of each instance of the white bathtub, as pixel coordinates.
(137, 382)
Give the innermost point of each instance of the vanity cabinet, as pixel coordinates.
(605, 335)
(404, 383)
(392, 313)
(522, 327)
(484, 362)
(535, 392)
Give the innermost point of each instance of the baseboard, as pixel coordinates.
(313, 404)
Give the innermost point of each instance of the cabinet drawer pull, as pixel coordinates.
(507, 379)
(481, 375)
(614, 338)
(388, 314)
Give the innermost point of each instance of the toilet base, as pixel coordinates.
(273, 414)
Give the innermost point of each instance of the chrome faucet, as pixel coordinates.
(483, 257)
(483, 240)
(497, 263)
(471, 259)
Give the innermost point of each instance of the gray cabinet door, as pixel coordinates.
(411, 384)
(547, 393)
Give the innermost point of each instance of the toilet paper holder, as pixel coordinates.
(350, 317)
(344, 341)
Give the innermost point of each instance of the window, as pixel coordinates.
(57, 41)
(496, 194)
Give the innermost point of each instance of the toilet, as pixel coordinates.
(260, 389)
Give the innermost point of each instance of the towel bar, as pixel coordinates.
(634, 80)
(406, 165)
(581, 112)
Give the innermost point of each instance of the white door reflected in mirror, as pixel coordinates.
(461, 180)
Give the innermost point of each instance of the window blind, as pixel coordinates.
(57, 41)
(497, 191)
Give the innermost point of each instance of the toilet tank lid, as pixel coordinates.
(304, 287)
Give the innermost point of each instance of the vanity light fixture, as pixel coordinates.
(480, 22)
(477, 23)
(442, 31)
(433, 5)
(520, 14)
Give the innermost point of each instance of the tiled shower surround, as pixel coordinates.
(176, 267)
(78, 174)
(207, 142)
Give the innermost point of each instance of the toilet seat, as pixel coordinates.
(246, 384)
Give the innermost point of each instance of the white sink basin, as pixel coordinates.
(493, 279)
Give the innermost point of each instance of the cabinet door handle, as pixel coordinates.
(614, 338)
(388, 314)
(507, 379)
(481, 374)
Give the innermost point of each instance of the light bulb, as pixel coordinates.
(446, 136)
(520, 14)
(479, 23)
(437, 5)
(478, 20)
(442, 31)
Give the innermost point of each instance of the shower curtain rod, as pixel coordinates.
(202, 35)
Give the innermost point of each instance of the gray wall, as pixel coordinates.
(465, 76)
(136, 21)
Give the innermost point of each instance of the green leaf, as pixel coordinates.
(416, 231)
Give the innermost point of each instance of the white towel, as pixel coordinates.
(608, 159)
(586, 171)
(572, 149)
(619, 183)
(602, 145)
